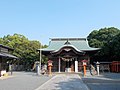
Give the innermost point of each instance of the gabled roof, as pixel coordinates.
(6, 47)
(7, 54)
(79, 44)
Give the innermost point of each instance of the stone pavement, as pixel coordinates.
(105, 81)
(22, 81)
(30, 81)
(64, 82)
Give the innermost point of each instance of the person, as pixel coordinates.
(90, 69)
(93, 71)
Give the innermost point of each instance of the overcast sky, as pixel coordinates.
(44, 19)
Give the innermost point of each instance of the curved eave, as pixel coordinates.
(45, 49)
(67, 46)
(91, 49)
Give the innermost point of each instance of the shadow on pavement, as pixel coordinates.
(106, 81)
(72, 84)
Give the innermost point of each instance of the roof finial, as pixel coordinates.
(67, 42)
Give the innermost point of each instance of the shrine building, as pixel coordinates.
(67, 54)
(5, 58)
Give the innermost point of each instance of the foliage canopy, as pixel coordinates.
(108, 40)
(24, 49)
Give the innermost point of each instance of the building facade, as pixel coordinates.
(67, 54)
(5, 58)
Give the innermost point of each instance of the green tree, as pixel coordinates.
(98, 38)
(24, 49)
(103, 38)
(115, 45)
(1, 41)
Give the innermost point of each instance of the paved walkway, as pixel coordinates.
(64, 82)
(22, 81)
(105, 81)
(30, 81)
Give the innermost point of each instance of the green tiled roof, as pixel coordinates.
(80, 44)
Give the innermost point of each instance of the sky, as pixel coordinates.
(44, 19)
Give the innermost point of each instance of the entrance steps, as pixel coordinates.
(80, 73)
(55, 73)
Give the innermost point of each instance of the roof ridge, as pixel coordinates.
(61, 39)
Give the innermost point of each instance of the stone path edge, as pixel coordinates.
(45, 83)
(84, 84)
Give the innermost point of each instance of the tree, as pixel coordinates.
(24, 49)
(115, 45)
(103, 38)
(1, 40)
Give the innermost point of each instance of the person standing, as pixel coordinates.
(90, 69)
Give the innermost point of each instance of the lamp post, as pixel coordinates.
(50, 67)
(84, 66)
(98, 69)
